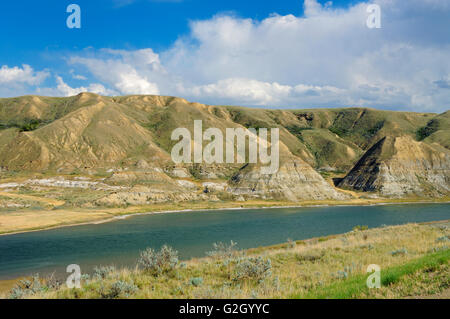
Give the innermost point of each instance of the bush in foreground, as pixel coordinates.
(26, 288)
(399, 252)
(102, 272)
(158, 262)
(120, 289)
(253, 269)
(223, 250)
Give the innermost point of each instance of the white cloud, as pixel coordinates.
(120, 70)
(66, 90)
(19, 76)
(393, 67)
(327, 57)
(77, 76)
(63, 89)
(244, 90)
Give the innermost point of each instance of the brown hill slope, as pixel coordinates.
(96, 135)
(88, 133)
(397, 166)
(325, 138)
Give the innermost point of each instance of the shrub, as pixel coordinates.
(253, 269)
(17, 293)
(338, 131)
(85, 277)
(346, 272)
(120, 289)
(297, 131)
(367, 246)
(309, 257)
(399, 252)
(443, 239)
(26, 287)
(197, 281)
(341, 274)
(374, 130)
(291, 243)
(437, 249)
(423, 132)
(222, 250)
(25, 125)
(158, 262)
(360, 228)
(103, 272)
(52, 283)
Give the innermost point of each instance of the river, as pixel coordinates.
(192, 234)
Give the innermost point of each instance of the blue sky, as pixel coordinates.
(286, 53)
(36, 30)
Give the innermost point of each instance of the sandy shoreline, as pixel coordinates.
(126, 216)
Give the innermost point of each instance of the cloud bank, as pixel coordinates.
(326, 58)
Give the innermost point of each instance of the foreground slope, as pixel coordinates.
(414, 260)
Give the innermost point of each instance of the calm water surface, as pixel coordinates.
(192, 234)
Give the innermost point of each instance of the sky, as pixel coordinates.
(277, 54)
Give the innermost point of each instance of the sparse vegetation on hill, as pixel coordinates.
(153, 118)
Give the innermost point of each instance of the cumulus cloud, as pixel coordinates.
(21, 75)
(327, 57)
(77, 76)
(245, 90)
(126, 71)
(63, 89)
(18, 80)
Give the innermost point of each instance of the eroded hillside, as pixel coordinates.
(125, 143)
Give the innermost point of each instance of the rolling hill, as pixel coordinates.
(127, 140)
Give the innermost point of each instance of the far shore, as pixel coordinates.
(119, 214)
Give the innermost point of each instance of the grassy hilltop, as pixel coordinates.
(111, 131)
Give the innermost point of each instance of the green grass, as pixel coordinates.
(424, 132)
(297, 131)
(356, 287)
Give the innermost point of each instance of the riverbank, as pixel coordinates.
(23, 221)
(414, 261)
